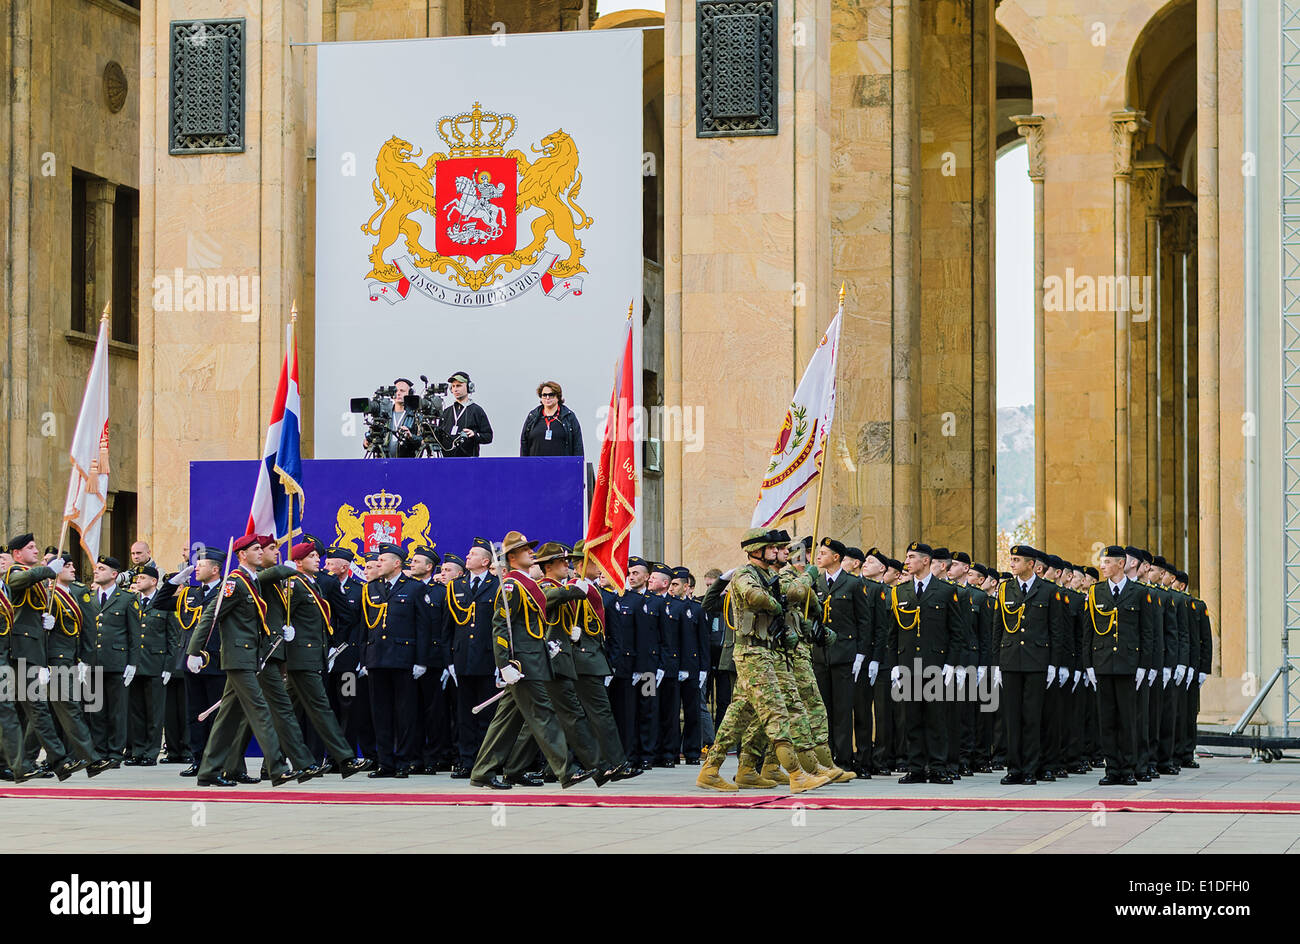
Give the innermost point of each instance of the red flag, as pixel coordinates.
(613, 502)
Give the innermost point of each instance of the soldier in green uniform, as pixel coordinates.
(11, 729)
(523, 660)
(113, 649)
(239, 613)
(66, 651)
(759, 617)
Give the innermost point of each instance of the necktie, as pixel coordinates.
(1114, 589)
(830, 583)
(918, 588)
(474, 586)
(103, 598)
(1024, 587)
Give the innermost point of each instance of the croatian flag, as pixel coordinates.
(279, 479)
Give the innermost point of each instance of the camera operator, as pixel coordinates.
(551, 429)
(464, 426)
(401, 442)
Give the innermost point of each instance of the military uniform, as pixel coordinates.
(203, 688)
(591, 664)
(694, 662)
(1198, 627)
(26, 592)
(620, 651)
(844, 609)
(469, 613)
(146, 695)
(11, 731)
(672, 624)
(648, 619)
(114, 646)
(65, 648)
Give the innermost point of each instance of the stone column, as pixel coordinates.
(1126, 129)
(100, 195)
(1149, 177)
(1030, 128)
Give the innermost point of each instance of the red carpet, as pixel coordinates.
(817, 800)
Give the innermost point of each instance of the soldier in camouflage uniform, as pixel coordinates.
(759, 618)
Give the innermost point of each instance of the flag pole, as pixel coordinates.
(821, 470)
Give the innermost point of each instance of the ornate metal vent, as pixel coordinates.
(735, 78)
(207, 87)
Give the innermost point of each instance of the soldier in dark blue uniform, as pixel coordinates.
(646, 673)
(620, 649)
(423, 563)
(203, 688)
(469, 615)
(349, 695)
(154, 658)
(693, 667)
(668, 690)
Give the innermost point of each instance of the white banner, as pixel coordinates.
(478, 209)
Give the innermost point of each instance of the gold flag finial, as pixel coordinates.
(629, 309)
(841, 293)
(104, 316)
(293, 310)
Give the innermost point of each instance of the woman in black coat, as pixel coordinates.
(551, 429)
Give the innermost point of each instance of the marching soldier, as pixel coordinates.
(154, 658)
(113, 648)
(841, 605)
(349, 695)
(204, 687)
(469, 610)
(66, 654)
(693, 669)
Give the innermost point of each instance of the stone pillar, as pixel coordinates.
(1126, 127)
(1149, 178)
(1030, 128)
(100, 195)
(18, 39)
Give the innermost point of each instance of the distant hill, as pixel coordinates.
(1015, 464)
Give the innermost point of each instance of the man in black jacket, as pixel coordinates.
(464, 427)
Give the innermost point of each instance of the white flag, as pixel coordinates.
(801, 445)
(88, 483)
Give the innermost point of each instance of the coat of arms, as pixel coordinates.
(476, 193)
(383, 523)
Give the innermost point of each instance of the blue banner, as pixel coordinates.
(441, 503)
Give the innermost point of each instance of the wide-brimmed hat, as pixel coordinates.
(550, 551)
(513, 541)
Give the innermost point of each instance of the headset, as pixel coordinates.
(469, 384)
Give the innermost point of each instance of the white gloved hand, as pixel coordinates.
(454, 680)
(1201, 677)
(362, 672)
(1165, 674)
(659, 677)
(446, 674)
(417, 671)
(857, 665)
(181, 575)
(683, 676)
(166, 677)
(997, 676)
(1062, 675)
(1151, 676)
(947, 675)
(980, 672)
(47, 620)
(583, 584)
(1077, 675)
(896, 676)
(289, 633)
(575, 634)
(510, 675)
(728, 575)
(553, 647)
(1141, 674)
(873, 669)
(330, 657)
(1092, 677)
(128, 674)
(1051, 675)
(1179, 672)
(608, 679)
(194, 664)
(43, 676)
(82, 671)
(704, 677)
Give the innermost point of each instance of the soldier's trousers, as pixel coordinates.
(242, 703)
(1191, 708)
(307, 689)
(1117, 715)
(108, 725)
(525, 704)
(724, 683)
(11, 728)
(1170, 697)
(1052, 719)
(757, 695)
(1078, 723)
(175, 717)
(796, 710)
(437, 711)
(201, 693)
(808, 693)
(145, 702)
(73, 731)
(594, 697)
(835, 682)
(1022, 709)
(668, 741)
(647, 721)
(927, 731)
(473, 690)
(563, 697)
(888, 750)
(1155, 705)
(283, 719)
(394, 704)
(692, 716)
(1142, 754)
(864, 720)
(622, 702)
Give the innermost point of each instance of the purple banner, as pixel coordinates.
(443, 503)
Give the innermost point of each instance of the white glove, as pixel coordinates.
(510, 675)
(293, 564)
(896, 676)
(980, 672)
(1165, 675)
(728, 575)
(330, 657)
(704, 677)
(1092, 677)
(47, 620)
(873, 669)
(1179, 672)
(683, 676)
(57, 564)
(1141, 674)
(43, 676)
(128, 674)
(1051, 675)
(553, 647)
(608, 679)
(166, 677)
(1077, 674)
(997, 676)
(659, 677)
(194, 664)
(1151, 676)
(181, 575)
(417, 671)
(82, 671)
(961, 676)
(362, 672)
(583, 584)
(1062, 674)
(947, 675)
(443, 678)
(575, 634)
(857, 665)
(289, 633)
(452, 670)
(1201, 677)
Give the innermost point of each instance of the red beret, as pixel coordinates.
(266, 540)
(300, 551)
(245, 542)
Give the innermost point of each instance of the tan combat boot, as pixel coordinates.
(748, 777)
(828, 767)
(799, 781)
(710, 777)
(772, 770)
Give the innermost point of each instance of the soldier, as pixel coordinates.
(154, 659)
(421, 565)
(758, 618)
(962, 654)
(983, 583)
(175, 715)
(961, 575)
(722, 640)
(646, 673)
(1122, 630)
(841, 605)
(312, 607)
(888, 745)
(11, 729)
(521, 655)
(114, 649)
(399, 641)
(1177, 651)
(620, 651)
(1076, 757)
(1136, 563)
(693, 668)
(1199, 626)
(66, 652)
(469, 610)
(238, 613)
(1091, 739)
(204, 687)
(668, 689)
(349, 695)
(855, 562)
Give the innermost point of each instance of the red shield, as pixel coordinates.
(381, 529)
(477, 206)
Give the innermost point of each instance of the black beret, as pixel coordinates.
(1113, 550)
(1159, 561)
(1181, 576)
(393, 549)
(880, 555)
(52, 550)
(19, 541)
(428, 552)
(807, 542)
(149, 570)
(961, 557)
(404, 380)
(781, 537)
(1006, 575)
(941, 553)
(1092, 572)
(835, 546)
(1138, 554)
(1024, 550)
(112, 563)
(854, 553)
(342, 553)
(921, 548)
(1051, 560)
(980, 569)
(895, 563)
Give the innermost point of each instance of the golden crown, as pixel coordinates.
(477, 133)
(382, 502)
